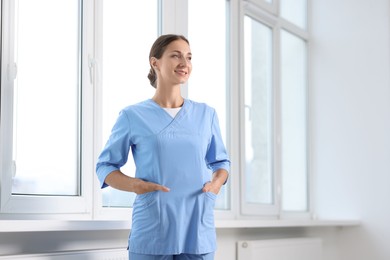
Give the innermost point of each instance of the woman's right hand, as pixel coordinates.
(140, 186)
(120, 181)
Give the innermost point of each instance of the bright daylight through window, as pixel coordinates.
(46, 98)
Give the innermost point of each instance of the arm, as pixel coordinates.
(114, 156)
(217, 159)
(120, 181)
(219, 178)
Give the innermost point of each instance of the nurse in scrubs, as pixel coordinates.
(181, 162)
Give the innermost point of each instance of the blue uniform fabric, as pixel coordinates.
(180, 153)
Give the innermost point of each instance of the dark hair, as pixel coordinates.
(158, 49)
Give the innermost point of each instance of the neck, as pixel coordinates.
(168, 97)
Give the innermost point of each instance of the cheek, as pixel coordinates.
(166, 69)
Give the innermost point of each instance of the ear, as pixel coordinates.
(154, 63)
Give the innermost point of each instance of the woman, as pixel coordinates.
(181, 162)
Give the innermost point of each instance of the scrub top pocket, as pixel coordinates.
(208, 210)
(143, 200)
(146, 215)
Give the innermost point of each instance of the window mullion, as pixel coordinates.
(8, 69)
(292, 28)
(89, 80)
(277, 118)
(175, 20)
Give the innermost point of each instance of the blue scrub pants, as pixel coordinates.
(209, 256)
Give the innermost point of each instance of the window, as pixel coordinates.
(295, 11)
(259, 178)
(46, 99)
(64, 82)
(41, 113)
(275, 179)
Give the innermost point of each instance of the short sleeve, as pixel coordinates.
(116, 150)
(217, 157)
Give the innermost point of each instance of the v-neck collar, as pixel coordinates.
(162, 110)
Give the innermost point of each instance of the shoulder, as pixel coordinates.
(201, 113)
(137, 108)
(199, 106)
(139, 105)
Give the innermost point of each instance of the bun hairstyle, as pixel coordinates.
(158, 49)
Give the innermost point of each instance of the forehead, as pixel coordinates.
(178, 45)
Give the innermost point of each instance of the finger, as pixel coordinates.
(162, 188)
(206, 187)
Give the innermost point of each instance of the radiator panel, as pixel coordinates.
(280, 249)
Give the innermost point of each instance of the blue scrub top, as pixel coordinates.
(180, 153)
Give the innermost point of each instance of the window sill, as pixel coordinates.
(277, 223)
(90, 225)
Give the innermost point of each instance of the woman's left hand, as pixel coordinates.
(219, 178)
(211, 187)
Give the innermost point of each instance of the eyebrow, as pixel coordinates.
(189, 53)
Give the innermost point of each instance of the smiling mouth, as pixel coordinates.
(182, 72)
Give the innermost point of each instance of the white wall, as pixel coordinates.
(350, 100)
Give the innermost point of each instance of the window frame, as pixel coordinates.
(248, 209)
(33, 206)
(259, 13)
(272, 7)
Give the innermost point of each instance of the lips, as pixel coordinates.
(181, 72)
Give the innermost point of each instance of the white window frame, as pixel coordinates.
(263, 4)
(78, 207)
(250, 209)
(269, 17)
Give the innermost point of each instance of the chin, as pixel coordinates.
(184, 80)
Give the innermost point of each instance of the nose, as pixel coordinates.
(184, 61)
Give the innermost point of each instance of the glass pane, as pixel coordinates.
(258, 113)
(294, 133)
(126, 47)
(208, 79)
(46, 97)
(295, 11)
